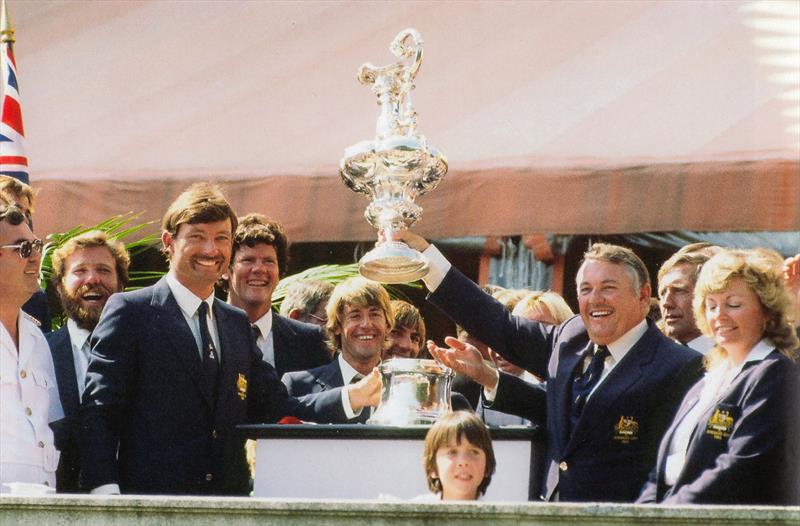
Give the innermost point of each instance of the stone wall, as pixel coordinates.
(61, 510)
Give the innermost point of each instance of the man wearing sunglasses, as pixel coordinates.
(28, 393)
(22, 196)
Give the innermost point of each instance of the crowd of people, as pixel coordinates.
(141, 392)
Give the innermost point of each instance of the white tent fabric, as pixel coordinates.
(124, 102)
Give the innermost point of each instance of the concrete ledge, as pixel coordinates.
(62, 510)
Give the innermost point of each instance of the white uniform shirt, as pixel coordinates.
(28, 403)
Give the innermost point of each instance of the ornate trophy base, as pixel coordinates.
(393, 262)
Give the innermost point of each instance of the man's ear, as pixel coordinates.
(294, 314)
(166, 240)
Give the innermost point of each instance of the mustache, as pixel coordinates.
(86, 289)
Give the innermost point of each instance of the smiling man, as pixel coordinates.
(613, 379)
(258, 261)
(359, 319)
(87, 270)
(174, 370)
(407, 336)
(28, 394)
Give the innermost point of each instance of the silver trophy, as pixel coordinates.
(395, 167)
(415, 392)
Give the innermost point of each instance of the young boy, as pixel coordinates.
(459, 459)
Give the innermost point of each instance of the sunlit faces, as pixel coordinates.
(736, 317)
(20, 276)
(254, 276)
(199, 253)
(609, 304)
(363, 333)
(90, 278)
(675, 292)
(402, 342)
(460, 467)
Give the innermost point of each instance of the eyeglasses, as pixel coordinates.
(26, 248)
(321, 320)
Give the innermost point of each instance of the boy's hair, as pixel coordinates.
(457, 426)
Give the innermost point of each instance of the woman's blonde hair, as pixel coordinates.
(761, 270)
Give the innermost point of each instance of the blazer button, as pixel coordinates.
(28, 411)
(213, 433)
(563, 465)
(23, 374)
(209, 477)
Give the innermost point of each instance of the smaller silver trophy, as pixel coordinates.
(395, 167)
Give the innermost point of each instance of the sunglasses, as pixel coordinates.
(26, 248)
(321, 320)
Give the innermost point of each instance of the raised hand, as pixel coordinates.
(465, 359)
(366, 392)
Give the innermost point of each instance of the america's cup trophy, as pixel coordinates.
(396, 166)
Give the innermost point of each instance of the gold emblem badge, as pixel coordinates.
(626, 430)
(720, 425)
(241, 386)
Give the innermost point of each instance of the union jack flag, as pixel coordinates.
(13, 161)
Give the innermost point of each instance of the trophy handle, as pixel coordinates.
(401, 50)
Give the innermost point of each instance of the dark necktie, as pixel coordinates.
(584, 383)
(210, 354)
(256, 331)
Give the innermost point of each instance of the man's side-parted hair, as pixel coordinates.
(17, 189)
(305, 296)
(356, 292)
(256, 228)
(620, 256)
(407, 315)
(762, 271)
(93, 238)
(200, 203)
(695, 254)
(455, 427)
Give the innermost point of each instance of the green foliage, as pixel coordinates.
(333, 274)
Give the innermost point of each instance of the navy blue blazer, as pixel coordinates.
(298, 346)
(148, 423)
(613, 447)
(66, 430)
(744, 449)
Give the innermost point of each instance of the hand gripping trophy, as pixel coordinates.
(395, 167)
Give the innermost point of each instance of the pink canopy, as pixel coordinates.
(563, 117)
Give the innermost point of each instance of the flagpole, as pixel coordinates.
(6, 29)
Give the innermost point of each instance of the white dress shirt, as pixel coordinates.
(265, 340)
(28, 403)
(715, 382)
(81, 350)
(348, 373)
(189, 303)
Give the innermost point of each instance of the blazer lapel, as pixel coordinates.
(625, 374)
(569, 362)
(689, 401)
(282, 340)
(180, 336)
(330, 377)
(64, 364)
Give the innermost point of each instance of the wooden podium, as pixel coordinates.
(368, 462)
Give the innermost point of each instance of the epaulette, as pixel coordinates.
(31, 318)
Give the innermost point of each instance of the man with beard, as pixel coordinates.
(87, 269)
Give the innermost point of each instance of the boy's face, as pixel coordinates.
(461, 468)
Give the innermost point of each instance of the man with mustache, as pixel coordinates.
(174, 370)
(87, 270)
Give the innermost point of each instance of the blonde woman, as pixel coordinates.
(734, 438)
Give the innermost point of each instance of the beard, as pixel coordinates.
(86, 317)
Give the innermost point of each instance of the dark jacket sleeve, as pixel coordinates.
(518, 397)
(522, 342)
(108, 385)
